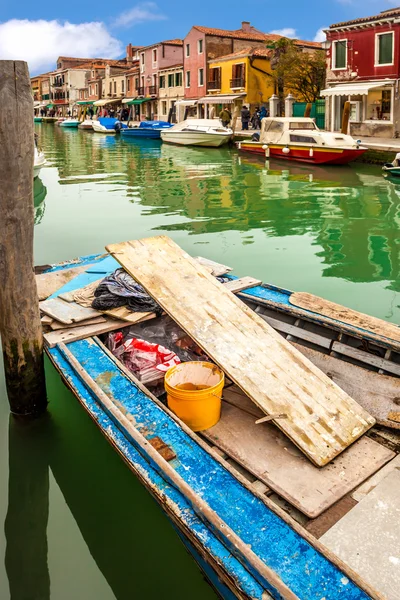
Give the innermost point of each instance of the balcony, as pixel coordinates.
(152, 90)
(238, 82)
(214, 85)
(140, 91)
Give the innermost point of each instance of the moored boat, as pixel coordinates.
(246, 543)
(70, 122)
(299, 139)
(393, 168)
(37, 119)
(87, 124)
(108, 125)
(39, 160)
(146, 129)
(198, 132)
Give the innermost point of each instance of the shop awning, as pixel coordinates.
(219, 99)
(85, 102)
(130, 101)
(49, 105)
(354, 89)
(105, 101)
(186, 102)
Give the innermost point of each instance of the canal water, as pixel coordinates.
(92, 531)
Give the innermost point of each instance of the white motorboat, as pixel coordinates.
(87, 124)
(73, 123)
(39, 162)
(198, 132)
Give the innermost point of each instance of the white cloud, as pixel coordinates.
(320, 36)
(145, 11)
(288, 32)
(41, 42)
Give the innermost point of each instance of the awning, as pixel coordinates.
(85, 102)
(219, 99)
(105, 101)
(186, 102)
(130, 101)
(354, 89)
(49, 105)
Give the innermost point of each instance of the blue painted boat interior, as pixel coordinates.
(109, 122)
(299, 565)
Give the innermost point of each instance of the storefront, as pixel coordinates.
(372, 108)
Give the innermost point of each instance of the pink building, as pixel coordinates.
(152, 59)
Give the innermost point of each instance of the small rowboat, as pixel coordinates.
(248, 536)
(146, 130)
(393, 168)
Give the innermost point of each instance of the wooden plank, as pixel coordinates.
(378, 394)
(56, 325)
(371, 483)
(298, 332)
(346, 315)
(67, 312)
(48, 283)
(321, 419)
(80, 333)
(214, 268)
(273, 459)
(124, 314)
(366, 357)
(243, 283)
(46, 320)
(367, 538)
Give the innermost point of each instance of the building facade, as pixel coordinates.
(363, 67)
(171, 91)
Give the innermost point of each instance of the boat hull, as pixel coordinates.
(138, 133)
(306, 154)
(37, 119)
(87, 125)
(189, 138)
(73, 124)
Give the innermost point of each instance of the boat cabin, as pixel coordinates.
(300, 130)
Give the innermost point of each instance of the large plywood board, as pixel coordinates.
(368, 537)
(321, 419)
(273, 459)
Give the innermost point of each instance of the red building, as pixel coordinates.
(363, 66)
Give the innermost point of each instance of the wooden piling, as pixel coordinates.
(346, 118)
(20, 326)
(308, 109)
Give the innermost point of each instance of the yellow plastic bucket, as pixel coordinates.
(194, 391)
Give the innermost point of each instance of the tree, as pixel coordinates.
(297, 70)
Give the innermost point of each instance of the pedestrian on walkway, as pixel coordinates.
(255, 119)
(225, 116)
(245, 116)
(263, 113)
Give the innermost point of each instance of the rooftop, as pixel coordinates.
(252, 34)
(385, 14)
(175, 42)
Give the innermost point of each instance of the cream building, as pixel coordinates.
(114, 82)
(170, 81)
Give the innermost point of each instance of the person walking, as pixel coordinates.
(255, 119)
(225, 116)
(245, 116)
(263, 113)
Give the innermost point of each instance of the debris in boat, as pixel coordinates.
(67, 312)
(120, 289)
(85, 296)
(48, 283)
(149, 362)
(277, 377)
(56, 325)
(74, 334)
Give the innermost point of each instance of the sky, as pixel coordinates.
(40, 32)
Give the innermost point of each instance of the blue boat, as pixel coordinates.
(108, 125)
(147, 129)
(247, 546)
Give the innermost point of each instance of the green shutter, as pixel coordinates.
(385, 49)
(340, 55)
(171, 80)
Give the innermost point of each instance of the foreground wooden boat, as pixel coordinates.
(246, 544)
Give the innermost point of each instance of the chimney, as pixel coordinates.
(129, 53)
(246, 26)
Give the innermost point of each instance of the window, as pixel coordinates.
(214, 82)
(115, 87)
(142, 58)
(110, 88)
(97, 89)
(187, 78)
(178, 79)
(162, 81)
(379, 105)
(155, 55)
(238, 76)
(305, 139)
(163, 107)
(171, 79)
(384, 48)
(339, 56)
(300, 125)
(136, 83)
(122, 86)
(187, 49)
(200, 46)
(128, 85)
(201, 76)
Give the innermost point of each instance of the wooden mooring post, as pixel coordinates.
(20, 327)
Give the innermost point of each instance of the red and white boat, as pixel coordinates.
(299, 139)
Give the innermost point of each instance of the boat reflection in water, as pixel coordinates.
(142, 146)
(39, 195)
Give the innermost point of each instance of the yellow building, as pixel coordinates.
(239, 79)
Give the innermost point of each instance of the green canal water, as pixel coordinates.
(91, 531)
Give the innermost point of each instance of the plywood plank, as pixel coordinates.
(56, 325)
(346, 315)
(273, 459)
(368, 537)
(321, 419)
(74, 334)
(67, 312)
(214, 268)
(49, 283)
(243, 283)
